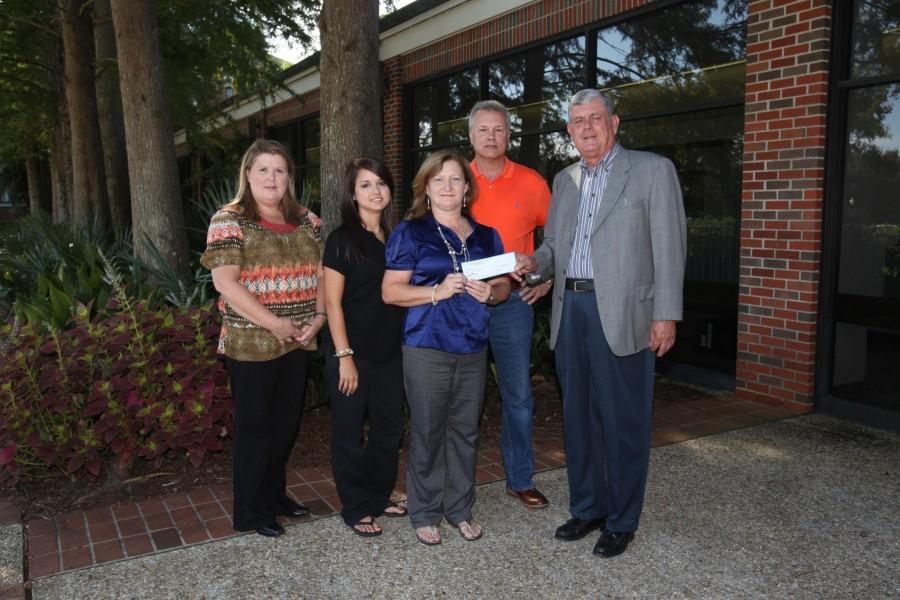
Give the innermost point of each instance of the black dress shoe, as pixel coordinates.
(271, 530)
(575, 528)
(613, 543)
(296, 511)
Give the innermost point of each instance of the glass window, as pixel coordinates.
(867, 327)
(706, 148)
(688, 55)
(870, 235)
(301, 138)
(440, 108)
(876, 39)
(547, 153)
(287, 136)
(308, 174)
(537, 84)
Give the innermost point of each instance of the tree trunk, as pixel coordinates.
(89, 181)
(60, 138)
(112, 125)
(157, 214)
(32, 172)
(61, 172)
(351, 105)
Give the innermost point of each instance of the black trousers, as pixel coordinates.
(268, 400)
(365, 471)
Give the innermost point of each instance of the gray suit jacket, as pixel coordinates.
(637, 247)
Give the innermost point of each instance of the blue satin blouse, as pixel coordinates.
(459, 324)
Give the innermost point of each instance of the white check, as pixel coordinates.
(485, 268)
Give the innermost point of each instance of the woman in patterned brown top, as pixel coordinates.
(265, 254)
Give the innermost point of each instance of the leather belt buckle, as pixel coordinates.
(580, 285)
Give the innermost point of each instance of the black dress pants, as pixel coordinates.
(268, 400)
(365, 471)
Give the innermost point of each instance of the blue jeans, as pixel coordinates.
(511, 326)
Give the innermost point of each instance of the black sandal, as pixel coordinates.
(367, 520)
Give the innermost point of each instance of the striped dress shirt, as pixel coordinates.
(593, 184)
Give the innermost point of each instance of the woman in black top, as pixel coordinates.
(363, 368)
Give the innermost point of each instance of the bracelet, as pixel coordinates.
(433, 299)
(317, 313)
(343, 353)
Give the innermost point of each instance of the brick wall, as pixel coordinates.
(781, 204)
(521, 26)
(292, 109)
(392, 105)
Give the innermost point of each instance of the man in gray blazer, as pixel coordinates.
(615, 245)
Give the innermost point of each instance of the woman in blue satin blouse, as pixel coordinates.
(444, 341)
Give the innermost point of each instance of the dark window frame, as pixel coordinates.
(299, 153)
(831, 308)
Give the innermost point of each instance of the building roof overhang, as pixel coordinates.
(415, 25)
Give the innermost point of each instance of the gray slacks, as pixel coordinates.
(445, 392)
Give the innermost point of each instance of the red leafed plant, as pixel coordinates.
(134, 382)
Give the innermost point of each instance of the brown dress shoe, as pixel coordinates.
(530, 498)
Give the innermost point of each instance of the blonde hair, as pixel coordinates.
(243, 201)
(433, 164)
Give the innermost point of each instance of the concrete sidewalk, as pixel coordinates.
(803, 508)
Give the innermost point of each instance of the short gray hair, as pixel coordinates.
(588, 95)
(491, 105)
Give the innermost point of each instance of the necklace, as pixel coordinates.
(453, 252)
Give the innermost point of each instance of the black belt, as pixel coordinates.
(580, 285)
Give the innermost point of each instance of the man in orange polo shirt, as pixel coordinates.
(512, 199)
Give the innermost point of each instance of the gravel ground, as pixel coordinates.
(803, 508)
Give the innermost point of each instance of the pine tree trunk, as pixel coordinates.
(112, 125)
(89, 181)
(60, 173)
(157, 214)
(60, 138)
(351, 105)
(32, 173)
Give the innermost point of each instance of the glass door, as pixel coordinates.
(866, 336)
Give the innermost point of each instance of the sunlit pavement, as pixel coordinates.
(800, 508)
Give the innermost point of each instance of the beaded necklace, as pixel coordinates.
(463, 250)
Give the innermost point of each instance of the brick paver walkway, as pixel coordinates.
(83, 538)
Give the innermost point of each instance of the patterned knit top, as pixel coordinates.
(277, 266)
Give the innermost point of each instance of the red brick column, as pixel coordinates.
(393, 124)
(781, 200)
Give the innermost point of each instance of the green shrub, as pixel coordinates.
(133, 382)
(543, 361)
(48, 270)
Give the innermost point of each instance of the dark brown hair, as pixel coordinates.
(351, 225)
